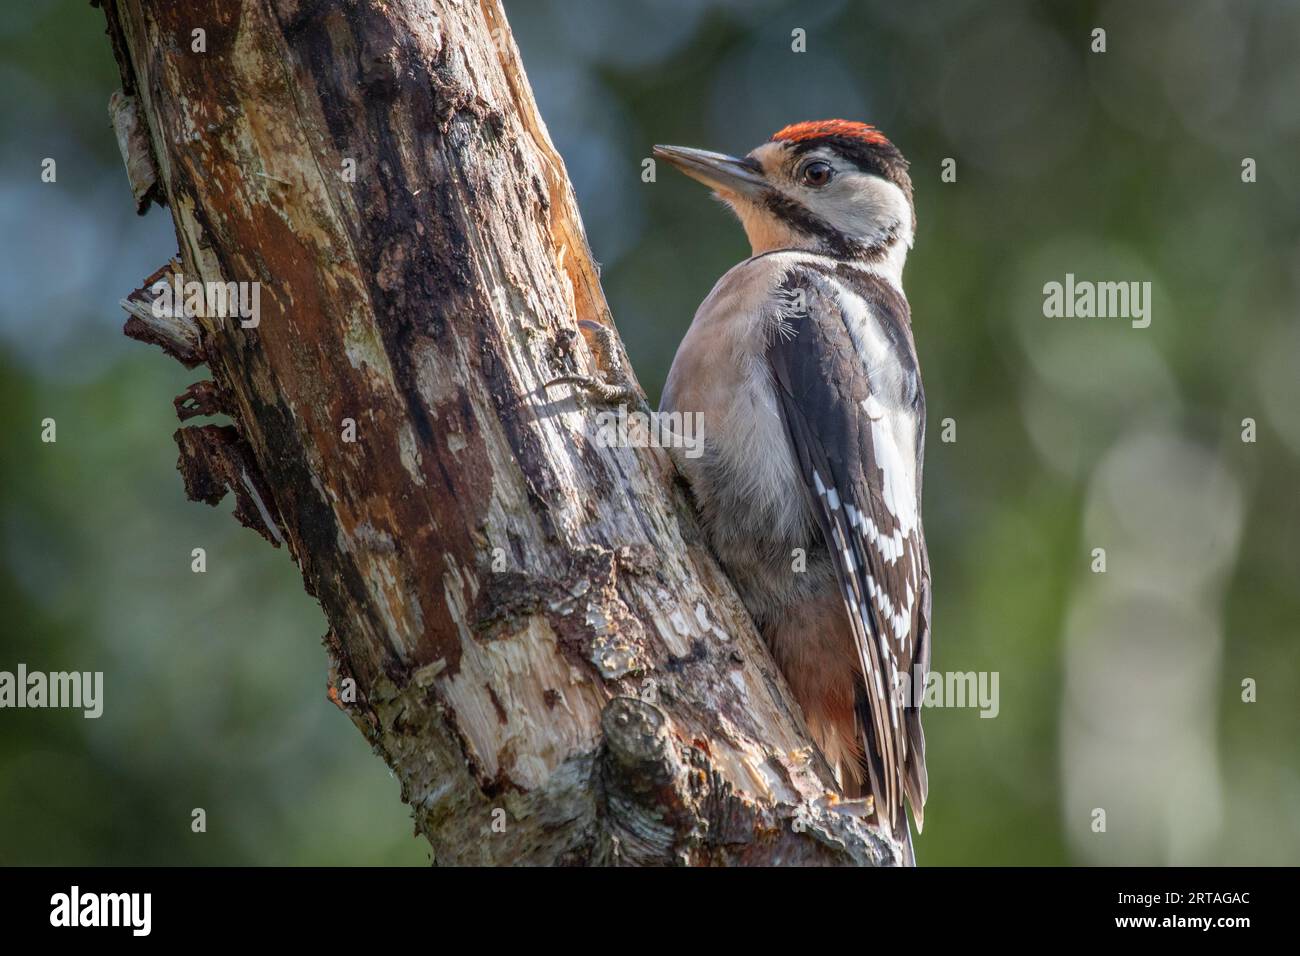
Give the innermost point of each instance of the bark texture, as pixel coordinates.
(541, 647)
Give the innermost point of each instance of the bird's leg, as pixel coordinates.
(604, 392)
(606, 351)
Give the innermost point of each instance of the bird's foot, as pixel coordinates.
(605, 348)
(604, 392)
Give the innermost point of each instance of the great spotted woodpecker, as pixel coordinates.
(802, 363)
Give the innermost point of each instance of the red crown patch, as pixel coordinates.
(817, 129)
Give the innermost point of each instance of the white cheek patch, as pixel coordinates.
(865, 206)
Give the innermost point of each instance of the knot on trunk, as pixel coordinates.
(642, 787)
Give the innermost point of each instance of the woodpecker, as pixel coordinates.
(802, 364)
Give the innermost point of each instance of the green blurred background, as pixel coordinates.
(1119, 690)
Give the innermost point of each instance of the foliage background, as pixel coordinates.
(1120, 691)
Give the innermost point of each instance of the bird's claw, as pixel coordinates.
(602, 391)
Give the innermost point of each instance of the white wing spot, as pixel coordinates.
(874, 409)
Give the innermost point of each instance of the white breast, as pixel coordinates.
(721, 371)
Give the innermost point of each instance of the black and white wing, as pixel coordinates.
(845, 373)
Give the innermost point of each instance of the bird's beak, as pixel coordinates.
(726, 174)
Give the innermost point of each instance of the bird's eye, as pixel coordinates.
(817, 174)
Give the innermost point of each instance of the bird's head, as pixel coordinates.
(831, 186)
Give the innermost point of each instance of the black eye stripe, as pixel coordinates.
(879, 159)
(804, 220)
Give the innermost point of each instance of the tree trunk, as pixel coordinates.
(526, 625)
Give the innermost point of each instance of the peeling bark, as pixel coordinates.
(541, 647)
(134, 145)
(174, 332)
